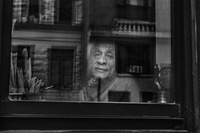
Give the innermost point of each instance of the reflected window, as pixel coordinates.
(61, 68)
(48, 12)
(143, 10)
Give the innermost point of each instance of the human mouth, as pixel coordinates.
(101, 70)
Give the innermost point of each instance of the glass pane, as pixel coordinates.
(128, 54)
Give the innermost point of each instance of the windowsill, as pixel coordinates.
(89, 115)
(91, 108)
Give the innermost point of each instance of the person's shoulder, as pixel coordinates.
(125, 79)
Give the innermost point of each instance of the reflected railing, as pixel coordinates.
(134, 28)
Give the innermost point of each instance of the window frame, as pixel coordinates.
(88, 115)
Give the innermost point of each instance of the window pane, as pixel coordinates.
(128, 51)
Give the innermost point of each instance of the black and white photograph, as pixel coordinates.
(99, 66)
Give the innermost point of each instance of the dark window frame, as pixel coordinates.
(72, 115)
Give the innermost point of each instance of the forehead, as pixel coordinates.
(104, 46)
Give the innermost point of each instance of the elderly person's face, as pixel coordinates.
(102, 60)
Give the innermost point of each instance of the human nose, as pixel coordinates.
(102, 60)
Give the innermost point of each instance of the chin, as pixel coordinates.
(102, 76)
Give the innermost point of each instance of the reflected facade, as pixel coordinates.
(127, 51)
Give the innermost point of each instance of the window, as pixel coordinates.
(68, 69)
(48, 12)
(140, 58)
(61, 71)
(123, 66)
(136, 10)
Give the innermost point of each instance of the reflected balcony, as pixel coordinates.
(125, 27)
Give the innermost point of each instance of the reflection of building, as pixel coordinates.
(128, 23)
(55, 52)
(63, 73)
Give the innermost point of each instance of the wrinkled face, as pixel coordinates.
(102, 60)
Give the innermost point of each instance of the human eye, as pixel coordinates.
(110, 55)
(97, 54)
